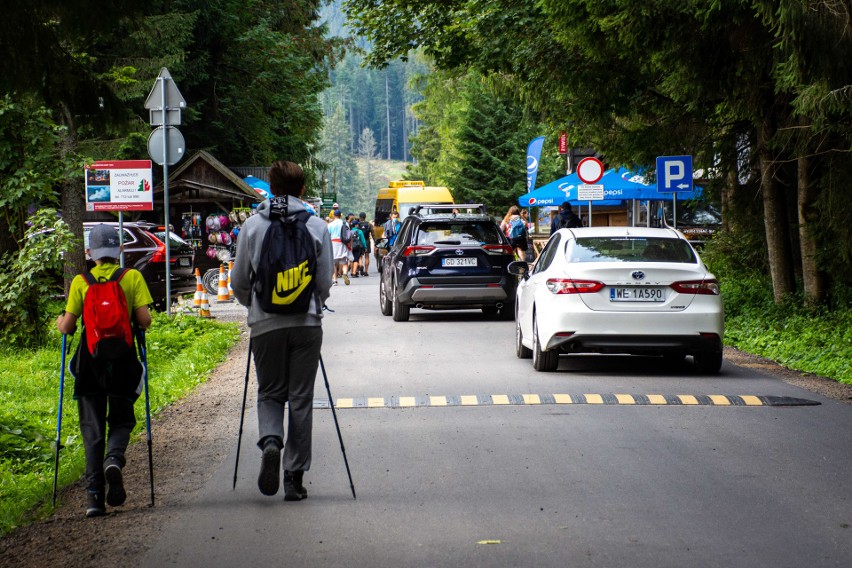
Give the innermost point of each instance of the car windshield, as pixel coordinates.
(630, 249)
(458, 233)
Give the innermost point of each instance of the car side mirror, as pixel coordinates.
(519, 268)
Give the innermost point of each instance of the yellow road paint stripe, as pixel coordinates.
(687, 399)
(375, 402)
(532, 399)
(562, 398)
(499, 399)
(345, 402)
(407, 401)
(751, 400)
(720, 400)
(594, 399)
(625, 399)
(438, 400)
(469, 400)
(657, 399)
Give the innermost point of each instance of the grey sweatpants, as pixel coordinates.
(287, 361)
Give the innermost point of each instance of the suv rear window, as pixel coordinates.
(630, 249)
(458, 232)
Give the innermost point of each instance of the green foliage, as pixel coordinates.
(30, 278)
(182, 352)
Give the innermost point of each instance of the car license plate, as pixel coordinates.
(458, 261)
(637, 294)
(184, 262)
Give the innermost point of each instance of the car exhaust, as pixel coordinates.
(419, 305)
(499, 305)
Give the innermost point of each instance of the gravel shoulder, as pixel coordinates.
(187, 438)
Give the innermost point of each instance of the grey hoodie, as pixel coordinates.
(249, 243)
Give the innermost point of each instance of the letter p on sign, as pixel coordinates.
(674, 173)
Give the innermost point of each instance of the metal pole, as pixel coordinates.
(674, 209)
(121, 238)
(336, 425)
(166, 197)
(140, 340)
(59, 418)
(590, 213)
(242, 415)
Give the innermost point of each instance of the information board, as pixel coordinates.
(120, 185)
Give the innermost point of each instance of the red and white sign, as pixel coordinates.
(590, 170)
(120, 185)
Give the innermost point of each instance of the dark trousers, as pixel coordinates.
(287, 361)
(96, 413)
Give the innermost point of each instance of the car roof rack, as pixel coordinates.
(449, 208)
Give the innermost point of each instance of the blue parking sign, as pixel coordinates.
(674, 173)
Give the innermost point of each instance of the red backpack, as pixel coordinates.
(106, 318)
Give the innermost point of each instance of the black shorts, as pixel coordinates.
(520, 242)
(356, 253)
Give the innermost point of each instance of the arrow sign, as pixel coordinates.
(674, 173)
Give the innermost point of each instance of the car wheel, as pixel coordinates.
(210, 281)
(384, 302)
(399, 310)
(544, 361)
(708, 363)
(522, 351)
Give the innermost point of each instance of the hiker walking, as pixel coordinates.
(367, 229)
(565, 219)
(359, 244)
(392, 228)
(286, 346)
(516, 230)
(340, 235)
(107, 375)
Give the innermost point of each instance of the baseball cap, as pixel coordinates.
(335, 206)
(337, 213)
(103, 242)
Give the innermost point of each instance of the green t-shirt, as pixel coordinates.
(133, 284)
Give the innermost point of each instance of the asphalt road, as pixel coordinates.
(454, 466)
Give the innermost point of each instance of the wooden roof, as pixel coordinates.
(201, 178)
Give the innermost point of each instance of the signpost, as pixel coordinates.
(590, 171)
(166, 146)
(674, 173)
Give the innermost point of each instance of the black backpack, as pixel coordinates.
(569, 220)
(285, 279)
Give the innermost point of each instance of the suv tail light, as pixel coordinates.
(417, 250)
(704, 287)
(160, 254)
(570, 286)
(498, 249)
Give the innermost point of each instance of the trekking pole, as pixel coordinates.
(59, 417)
(242, 415)
(336, 425)
(143, 350)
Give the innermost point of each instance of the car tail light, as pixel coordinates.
(498, 249)
(570, 286)
(160, 254)
(705, 287)
(417, 250)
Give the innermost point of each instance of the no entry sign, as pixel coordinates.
(590, 170)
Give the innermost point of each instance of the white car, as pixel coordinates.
(632, 290)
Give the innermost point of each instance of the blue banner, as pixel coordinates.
(533, 155)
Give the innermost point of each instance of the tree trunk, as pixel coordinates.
(806, 197)
(72, 202)
(774, 220)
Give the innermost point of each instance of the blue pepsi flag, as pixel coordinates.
(533, 155)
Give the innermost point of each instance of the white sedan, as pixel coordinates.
(632, 290)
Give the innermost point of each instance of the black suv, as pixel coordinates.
(447, 257)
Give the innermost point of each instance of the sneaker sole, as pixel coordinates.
(116, 495)
(95, 513)
(269, 477)
(346, 280)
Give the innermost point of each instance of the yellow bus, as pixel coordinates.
(402, 196)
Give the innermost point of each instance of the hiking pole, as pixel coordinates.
(143, 350)
(242, 415)
(336, 425)
(59, 417)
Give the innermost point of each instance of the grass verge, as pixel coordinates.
(182, 351)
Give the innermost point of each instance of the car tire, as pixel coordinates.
(521, 350)
(384, 302)
(399, 311)
(543, 361)
(708, 363)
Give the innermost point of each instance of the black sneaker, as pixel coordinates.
(95, 504)
(293, 488)
(270, 467)
(116, 495)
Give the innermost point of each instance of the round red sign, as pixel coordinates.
(590, 170)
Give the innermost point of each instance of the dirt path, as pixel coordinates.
(189, 438)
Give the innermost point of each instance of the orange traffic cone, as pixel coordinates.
(204, 311)
(199, 289)
(230, 290)
(222, 294)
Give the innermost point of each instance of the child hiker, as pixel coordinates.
(107, 375)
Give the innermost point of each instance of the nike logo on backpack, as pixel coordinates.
(290, 284)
